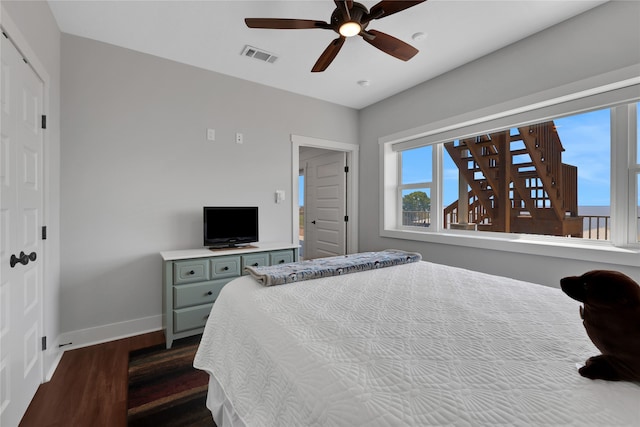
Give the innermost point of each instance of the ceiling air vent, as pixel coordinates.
(262, 55)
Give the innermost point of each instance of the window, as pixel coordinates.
(548, 178)
(557, 177)
(553, 176)
(586, 140)
(415, 187)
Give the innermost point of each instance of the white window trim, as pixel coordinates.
(618, 251)
(620, 174)
(633, 173)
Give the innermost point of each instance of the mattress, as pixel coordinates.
(419, 344)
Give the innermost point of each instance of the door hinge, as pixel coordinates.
(44, 232)
(44, 343)
(346, 218)
(346, 169)
(44, 121)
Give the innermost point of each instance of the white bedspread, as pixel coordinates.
(413, 345)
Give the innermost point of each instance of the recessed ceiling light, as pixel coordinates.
(364, 83)
(419, 36)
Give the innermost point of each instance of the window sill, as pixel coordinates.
(595, 251)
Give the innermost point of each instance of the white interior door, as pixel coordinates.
(21, 95)
(325, 205)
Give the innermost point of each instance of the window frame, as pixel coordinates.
(623, 248)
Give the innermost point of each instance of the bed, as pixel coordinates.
(418, 344)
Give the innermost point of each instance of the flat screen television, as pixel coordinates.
(230, 226)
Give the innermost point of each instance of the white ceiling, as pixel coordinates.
(212, 34)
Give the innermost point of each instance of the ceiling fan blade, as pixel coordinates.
(389, 44)
(389, 7)
(328, 55)
(285, 23)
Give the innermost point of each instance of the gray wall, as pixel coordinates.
(38, 26)
(137, 169)
(599, 41)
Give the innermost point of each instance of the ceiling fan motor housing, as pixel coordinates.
(357, 12)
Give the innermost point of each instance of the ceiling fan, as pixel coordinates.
(348, 19)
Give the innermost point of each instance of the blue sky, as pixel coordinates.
(586, 140)
(301, 190)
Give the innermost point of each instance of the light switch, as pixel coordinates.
(239, 139)
(279, 196)
(211, 134)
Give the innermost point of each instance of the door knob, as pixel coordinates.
(313, 222)
(14, 260)
(22, 258)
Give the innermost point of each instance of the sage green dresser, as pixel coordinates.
(192, 280)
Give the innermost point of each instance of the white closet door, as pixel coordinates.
(21, 195)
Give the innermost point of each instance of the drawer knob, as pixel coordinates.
(192, 272)
(256, 264)
(281, 261)
(225, 268)
(210, 293)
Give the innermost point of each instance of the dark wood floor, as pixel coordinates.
(89, 386)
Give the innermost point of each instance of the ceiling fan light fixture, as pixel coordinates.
(350, 29)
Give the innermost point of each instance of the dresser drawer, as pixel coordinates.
(254, 260)
(222, 267)
(281, 257)
(197, 293)
(190, 271)
(191, 317)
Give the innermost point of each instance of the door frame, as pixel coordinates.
(352, 151)
(50, 357)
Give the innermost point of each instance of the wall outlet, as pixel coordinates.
(239, 138)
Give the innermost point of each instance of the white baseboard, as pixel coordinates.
(114, 331)
(53, 366)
